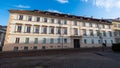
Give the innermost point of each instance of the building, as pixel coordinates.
(34, 29)
(2, 35)
(116, 29)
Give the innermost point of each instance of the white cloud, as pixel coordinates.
(107, 4)
(63, 1)
(22, 6)
(56, 11)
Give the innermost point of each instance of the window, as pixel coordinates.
(15, 48)
(44, 31)
(84, 32)
(51, 30)
(85, 41)
(98, 32)
(36, 29)
(65, 30)
(26, 48)
(52, 20)
(45, 19)
(19, 29)
(51, 40)
(105, 41)
(29, 18)
(38, 19)
(109, 26)
(104, 33)
(65, 40)
(111, 41)
(36, 41)
(17, 40)
(28, 29)
(99, 41)
(65, 22)
(75, 23)
(59, 30)
(59, 21)
(27, 40)
(20, 17)
(75, 31)
(91, 32)
(110, 33)
(92, 41)
(35, 47)
(44, 40)
(103, 26)
(83, 24)
(90, 24)
(58, 40)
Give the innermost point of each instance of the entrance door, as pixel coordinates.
(76, 43)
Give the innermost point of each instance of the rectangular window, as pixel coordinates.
(51, 30)
(38, 19)
(85, 41)
(36, 29)
(83, 24)
(103, 26)
(99, 41)
(17, 40)
(111, 41)
(59, 21)
(52, 20)
(65, 40)
(110, 33)
(51, 40)
(84, 32)
(27, 40)
(26, 48)
(59, 30)
(44, 31)
(19, 29)
(104, 33)
(98, 32)
(44, 40)
(28, 29)
(36, 41)
(29, 18)
(35, 47)
(65, 22)
(58, 40)
(65, 31)
(20, 17)
(92, 41)
(90, 24)
(45, 19)
(75, 23)
(91, 32)
(75, 31)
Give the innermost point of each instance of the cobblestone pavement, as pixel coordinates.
(74, 60)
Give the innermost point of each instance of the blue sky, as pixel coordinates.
(95, 8)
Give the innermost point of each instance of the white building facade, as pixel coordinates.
(33, 30)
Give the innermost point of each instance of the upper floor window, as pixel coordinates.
(52, 20)
(91, 32)
(103, 26)
(90, 24)
(28, 29)
(109, 26)
(45, 19)
(17, 40)
(65, 30)
(29, 18)
(44, 30)
(58, 40)
(104, 33)
(75, 31)
(19, 28)
(51, 30)
(59, 30)
(110, 33)
(59, 21)
(27, 40)
(38, 19)
(36, 41)
(65, 22)
(83, 24)
(84, 32)
(98, 32)
(36, 29)
(20, 17)
(75, 23)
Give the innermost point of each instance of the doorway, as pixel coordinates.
(76, 43)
